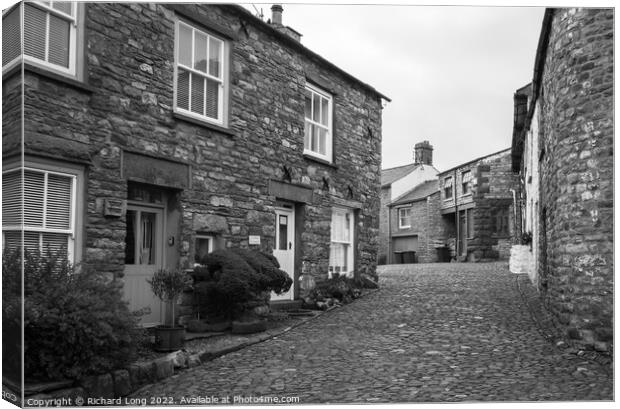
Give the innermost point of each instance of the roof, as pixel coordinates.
(474, 160)
(391, 175)
(421, 191)
(301, 48)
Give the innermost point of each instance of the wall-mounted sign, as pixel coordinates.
(254, 240)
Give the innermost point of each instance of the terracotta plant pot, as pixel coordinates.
(169, 338)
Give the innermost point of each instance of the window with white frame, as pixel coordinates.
(404, 218)
(447, 187)
(50, 31)
(341, 246)
(200, 74)
(466, 182)
(203, 245)
(318, 123)
(48, 216)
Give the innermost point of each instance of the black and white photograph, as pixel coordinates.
(307, 203)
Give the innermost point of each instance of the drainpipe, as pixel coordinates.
(457, 220)
(388, 256)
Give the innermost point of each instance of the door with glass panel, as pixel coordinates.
(143, 256)
(284, 249)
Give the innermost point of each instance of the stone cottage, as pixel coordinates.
(396, 183)
(562, 149)
(154, 133)
(477, 201)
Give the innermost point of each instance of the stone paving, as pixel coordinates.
(433, 333)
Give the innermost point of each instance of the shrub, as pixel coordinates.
(75, 323)
(339, 287)
(167, 285)
(233, 277)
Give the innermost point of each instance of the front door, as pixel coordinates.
(143, 256)
(284, 249)
(462, 233)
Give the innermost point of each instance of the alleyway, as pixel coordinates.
(434, 332)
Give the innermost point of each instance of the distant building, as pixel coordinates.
(562, 149)
(398, 182)
(477, 202)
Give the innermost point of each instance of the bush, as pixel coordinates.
(75, 324)
(339, 287)
(232, 278)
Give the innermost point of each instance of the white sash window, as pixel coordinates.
(341, 248)
(404, 218)
(49, 35)
(199, 78)
(318, 123)
(47, 217)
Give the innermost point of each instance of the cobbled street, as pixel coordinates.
(433, 332)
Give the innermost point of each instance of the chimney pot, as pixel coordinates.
(276, 14)
(423, 153)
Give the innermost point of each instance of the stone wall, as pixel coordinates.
(126, 107)
(384, 239)
(576, 174)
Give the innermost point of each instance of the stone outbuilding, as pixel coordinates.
(563, 152)
(154, 133)
(477, 202)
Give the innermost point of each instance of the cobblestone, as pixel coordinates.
(433, 333)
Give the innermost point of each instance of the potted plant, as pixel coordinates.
(168, 285)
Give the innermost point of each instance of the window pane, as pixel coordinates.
(322, 140)
(200, 51)
(202, 247)
(147, 238)
(58, 215)
(59, 41)
(11, 41)
(324, 111)
(130, 237)
(308, 104)
(183, 89)
(215, 50)
(33, 198)
(54, 243)
(185, 45)
(198, 94)
(213, 99)
(64, 6)
(282, 232)
(35, 28)
(11, 199)
(313, 143)
(316, 117)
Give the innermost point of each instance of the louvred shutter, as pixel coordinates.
(58, 212)
(11, 41)
(11, 199)
(34, 196)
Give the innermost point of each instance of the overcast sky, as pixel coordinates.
(450, 71)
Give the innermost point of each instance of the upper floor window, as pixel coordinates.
(200, 76)
(48, 216)
(404, 218)
(447, 187)
(318, 123)
(466, 182)
(50, 35)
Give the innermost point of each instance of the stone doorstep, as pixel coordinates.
(140, 375)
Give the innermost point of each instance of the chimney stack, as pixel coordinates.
(276, 22)
(276, 14)
(423, 153)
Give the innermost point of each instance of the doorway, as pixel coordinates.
(144, 255)
(284, 249)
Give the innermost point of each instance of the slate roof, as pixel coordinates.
(389, 176)
(419, 192)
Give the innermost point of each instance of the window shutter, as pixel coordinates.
(198, 94)
(11, 41)
(59, 35)
(34, 186)
(32, 241)
(11, 199)
(64, 6)
(54, 242)
(58, 214)
(35, 28)
(213, 89)
(183, 89)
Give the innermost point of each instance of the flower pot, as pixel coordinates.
(169, 338)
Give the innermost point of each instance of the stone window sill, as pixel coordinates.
(321, 161)
(204, 124)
